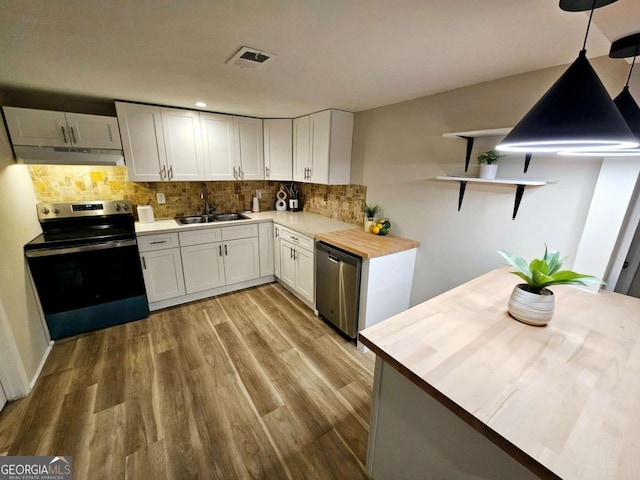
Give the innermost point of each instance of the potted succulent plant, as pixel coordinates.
(370, 212)
(488, 164)
(532, 302)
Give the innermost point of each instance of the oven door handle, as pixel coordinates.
(83, 248)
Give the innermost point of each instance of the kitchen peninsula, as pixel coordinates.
(464, 391)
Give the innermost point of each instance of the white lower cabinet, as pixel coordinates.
(215, 257)
(162, 272)
(241, 260)
(203, 267)
(265, 237)
(276, 250)
(296, 262)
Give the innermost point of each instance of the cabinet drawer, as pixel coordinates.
(199, 237)
(296, 238)
(240, 231)
(148, 243)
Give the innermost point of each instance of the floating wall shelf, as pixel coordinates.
(470, 135)
(519, 183)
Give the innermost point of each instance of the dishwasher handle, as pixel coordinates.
(333, 259)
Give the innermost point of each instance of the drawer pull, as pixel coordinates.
(157, 242)
(144, 263)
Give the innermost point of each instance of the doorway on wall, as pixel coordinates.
(629, 280)
(3, 398)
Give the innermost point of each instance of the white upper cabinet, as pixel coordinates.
(59, 129)
(301, 148)
(233, 147)
(183, 144)
(219, 146)
(249, 148)
(160, 143)
(142, 142)
(322, 147)
(278, 149)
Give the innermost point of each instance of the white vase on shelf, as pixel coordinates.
(488, 171)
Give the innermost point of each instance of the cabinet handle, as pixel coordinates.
(295, 238)
(309, 178)
(73, 135)
(144, 263)
(170, 172)
(267, 172)
(157, 242)
(225, 250)
(220, 249)
(295, 254)
(277, 233)
(64, 135)
(235, 175)
(240, 173)
(163, 172)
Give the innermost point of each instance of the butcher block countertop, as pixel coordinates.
(367, 245)
(563, 399)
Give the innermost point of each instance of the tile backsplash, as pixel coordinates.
(66, 183)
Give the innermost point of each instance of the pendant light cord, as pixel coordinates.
(633, 62)
(584, 44)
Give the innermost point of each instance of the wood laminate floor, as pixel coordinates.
(245, 385)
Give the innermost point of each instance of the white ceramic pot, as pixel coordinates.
(531, 308)
(488, 172)
(367, 224)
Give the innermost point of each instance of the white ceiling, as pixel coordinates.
(349, 54)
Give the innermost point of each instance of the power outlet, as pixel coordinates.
(160, 198)
(259, 194)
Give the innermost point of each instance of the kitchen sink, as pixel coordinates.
(195, 219)
(223, 217)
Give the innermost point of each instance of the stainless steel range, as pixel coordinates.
(86, 266)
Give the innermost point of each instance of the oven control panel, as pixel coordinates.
(47, 211)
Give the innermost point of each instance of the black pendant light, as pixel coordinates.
(625, 47)
(576, 113)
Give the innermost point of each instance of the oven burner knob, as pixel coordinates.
(117, 207)
(45, 210)
(56, 210)
(125, 207)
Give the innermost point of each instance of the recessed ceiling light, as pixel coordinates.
(201, 104)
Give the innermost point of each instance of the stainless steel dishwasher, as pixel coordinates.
(338, 287)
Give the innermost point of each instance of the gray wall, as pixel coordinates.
(398, 150)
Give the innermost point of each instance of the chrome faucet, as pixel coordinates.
(204, 196)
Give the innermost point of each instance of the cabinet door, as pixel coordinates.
(249, 148)
(93, 131)
(301, 144)
(241, 260)
(287, 264)
(305, 279)
(183, 144)
(278, 149)
(203, 266)
(219, 146)
(265, 237)
(37, 127)
(320, 140)
(142, 142)
(276, 250)
(162, 271)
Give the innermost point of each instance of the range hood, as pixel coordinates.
(68, 155)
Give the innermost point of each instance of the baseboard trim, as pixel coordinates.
(41, 366)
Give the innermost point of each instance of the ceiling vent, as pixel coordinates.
(252, 58)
